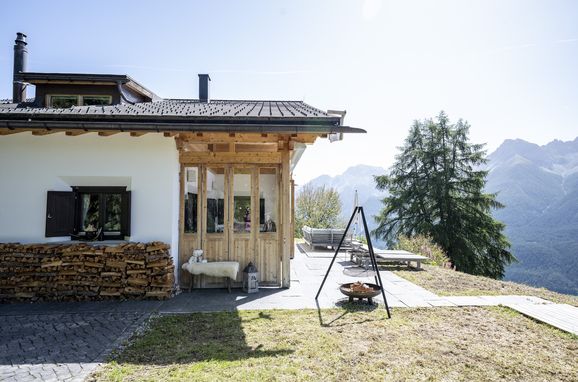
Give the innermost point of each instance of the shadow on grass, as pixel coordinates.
(197, 337)
(347, 308)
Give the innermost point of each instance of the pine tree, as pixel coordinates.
(436, 188)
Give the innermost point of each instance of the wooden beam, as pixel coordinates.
(229, 157)
(10, 132)
(286, 234)
(138, 133)
(169, 134)
(226, 137)
(74, 133)
(45, 132)
(107, 133)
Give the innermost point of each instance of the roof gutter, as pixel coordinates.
(177, 127)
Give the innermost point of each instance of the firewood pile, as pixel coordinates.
(83, 272)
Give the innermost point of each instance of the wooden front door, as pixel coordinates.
(237, 209)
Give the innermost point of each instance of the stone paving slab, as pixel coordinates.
(57, 346)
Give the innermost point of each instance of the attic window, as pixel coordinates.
(66, 101)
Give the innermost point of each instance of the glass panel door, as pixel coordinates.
(243, 218)
(215, 206)
(268, 259)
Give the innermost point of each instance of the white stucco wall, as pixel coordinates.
(32, 165)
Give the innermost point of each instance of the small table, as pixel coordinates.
(228, 269)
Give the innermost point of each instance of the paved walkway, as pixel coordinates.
(66, 341)
(307, 271)
(63, 341)
(561, 316)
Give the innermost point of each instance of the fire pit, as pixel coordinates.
(360, 291)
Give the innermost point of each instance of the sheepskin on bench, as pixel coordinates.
(228, 269)
(216, 269)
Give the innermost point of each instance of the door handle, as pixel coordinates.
(49, 216)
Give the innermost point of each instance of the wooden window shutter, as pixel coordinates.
(125, 217)
(60, 213)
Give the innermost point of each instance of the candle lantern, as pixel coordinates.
(250, 279)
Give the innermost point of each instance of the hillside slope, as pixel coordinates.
(539, 186)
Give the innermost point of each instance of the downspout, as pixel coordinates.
(337, 136)
(119, 88)
(298, 150)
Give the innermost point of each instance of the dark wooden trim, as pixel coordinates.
(104, 189)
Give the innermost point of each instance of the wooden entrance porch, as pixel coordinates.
(236, 202)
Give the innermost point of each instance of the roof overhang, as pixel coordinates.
(175, 127)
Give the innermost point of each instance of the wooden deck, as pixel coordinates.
(561, 316)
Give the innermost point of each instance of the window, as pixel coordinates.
(191, 199)
(66, 101)
(242, 200)
(91, 213)
(268, 200)
(96, 100)
(63, 102)
(215, 199)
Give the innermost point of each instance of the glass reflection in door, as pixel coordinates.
(268, 197)
(215, 200)
(242, 214)
(191, 197)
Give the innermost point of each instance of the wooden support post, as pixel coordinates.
(292, 218)
(287, 235)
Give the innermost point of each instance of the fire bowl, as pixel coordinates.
(370, 293)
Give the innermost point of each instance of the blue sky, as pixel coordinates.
(508, 67)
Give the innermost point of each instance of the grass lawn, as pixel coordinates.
(449, 344)
(450, 283)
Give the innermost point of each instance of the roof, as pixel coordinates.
(182, 115)
(84, 78)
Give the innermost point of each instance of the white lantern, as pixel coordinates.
(250, 279)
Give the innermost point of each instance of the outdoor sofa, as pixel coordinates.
(325, 237)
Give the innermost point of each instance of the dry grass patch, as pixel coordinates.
(450, 344)
(446, 282)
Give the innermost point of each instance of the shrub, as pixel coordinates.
(423, 245)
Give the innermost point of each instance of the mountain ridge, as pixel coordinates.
(538, 184)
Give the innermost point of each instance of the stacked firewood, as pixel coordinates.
(81, 272)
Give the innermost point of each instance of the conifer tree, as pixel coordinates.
(436, 188)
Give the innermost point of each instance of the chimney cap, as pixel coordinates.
(20, 38)
(205, 75)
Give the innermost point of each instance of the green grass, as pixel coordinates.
(449, 344)
(446, 282)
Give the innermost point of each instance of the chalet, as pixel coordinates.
(101, 157)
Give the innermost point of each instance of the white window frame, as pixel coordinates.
(79, 98)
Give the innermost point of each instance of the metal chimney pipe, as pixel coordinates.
(204, 87)
(20, 64)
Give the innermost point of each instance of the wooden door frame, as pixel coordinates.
(228, 232)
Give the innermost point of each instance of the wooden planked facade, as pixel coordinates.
(251, 155)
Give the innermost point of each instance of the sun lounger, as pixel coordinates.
(360, 256)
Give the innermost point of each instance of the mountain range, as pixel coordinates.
(538, 186)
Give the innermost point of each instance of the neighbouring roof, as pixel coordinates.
(182, 115)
